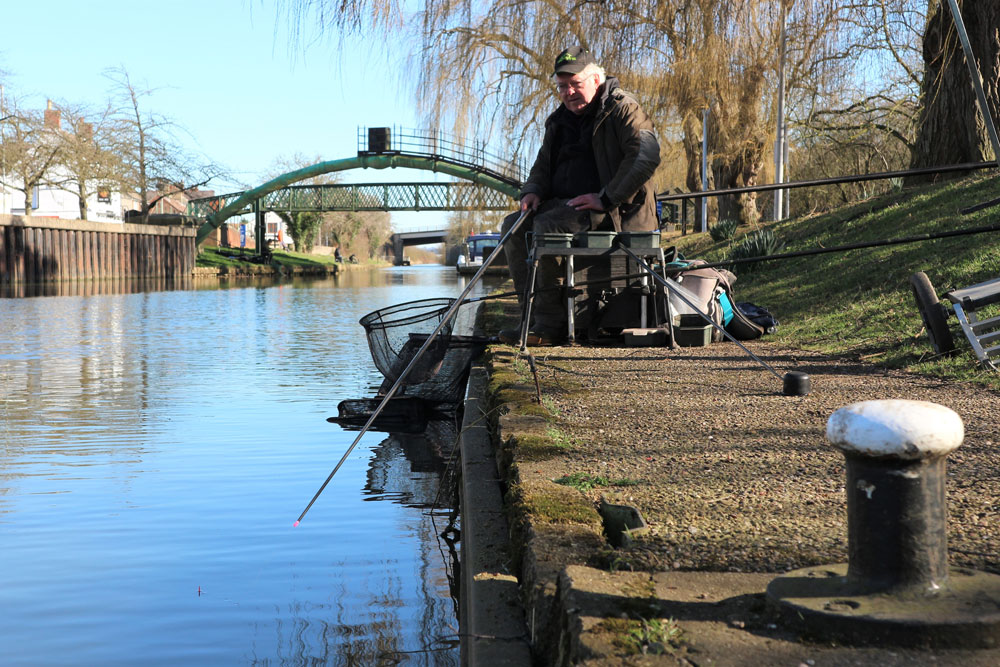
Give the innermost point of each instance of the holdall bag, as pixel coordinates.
(714, 291)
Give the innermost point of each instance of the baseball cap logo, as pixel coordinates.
(573, 60)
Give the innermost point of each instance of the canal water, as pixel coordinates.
(156, 448)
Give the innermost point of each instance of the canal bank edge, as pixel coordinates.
(491, 618)
(581, 606)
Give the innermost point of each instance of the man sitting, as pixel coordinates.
(592, 172)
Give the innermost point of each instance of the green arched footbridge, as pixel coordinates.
(483, 189)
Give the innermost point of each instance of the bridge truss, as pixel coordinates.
(453, 196)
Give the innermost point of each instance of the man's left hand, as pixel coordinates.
(588, 202)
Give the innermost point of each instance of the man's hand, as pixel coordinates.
(530, 201)
(587, 202)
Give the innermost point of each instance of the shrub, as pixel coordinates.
(723, 230)
(759, 244)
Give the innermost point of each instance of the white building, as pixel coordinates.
(48, 201)
(52, 202)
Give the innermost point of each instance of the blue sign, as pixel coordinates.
(243, 236)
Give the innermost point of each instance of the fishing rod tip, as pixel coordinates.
(295, 525)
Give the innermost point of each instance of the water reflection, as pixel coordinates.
(155, 447)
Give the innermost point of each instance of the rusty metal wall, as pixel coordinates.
(35, 250)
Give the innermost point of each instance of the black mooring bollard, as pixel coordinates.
(795, 383)
(897, 587)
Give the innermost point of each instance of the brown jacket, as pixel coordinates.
(627, 153)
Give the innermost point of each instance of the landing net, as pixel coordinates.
(396, 333)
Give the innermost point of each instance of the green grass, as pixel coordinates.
(289, 258)
(858, 303)
(647, 637)
(212, 257)
(229, 257)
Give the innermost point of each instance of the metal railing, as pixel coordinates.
(435, 143)
(675, 206)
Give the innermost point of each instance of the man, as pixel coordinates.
(591, 173)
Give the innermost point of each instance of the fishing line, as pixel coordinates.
(419, 353)
(582, 283)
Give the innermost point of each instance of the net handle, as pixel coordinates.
(402, 376)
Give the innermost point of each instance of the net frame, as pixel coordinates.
(396, 332)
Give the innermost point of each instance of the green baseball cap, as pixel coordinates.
(573, 60)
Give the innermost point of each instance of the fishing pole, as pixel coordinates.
(582, 283)
(406, 371)
(794, 382)
(861, 245)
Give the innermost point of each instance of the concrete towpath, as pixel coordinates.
(737, 485)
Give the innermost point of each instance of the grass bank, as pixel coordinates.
(859, 303)
(231, 259)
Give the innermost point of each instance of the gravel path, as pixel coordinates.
(731, 474)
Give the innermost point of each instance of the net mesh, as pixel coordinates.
(396, 333)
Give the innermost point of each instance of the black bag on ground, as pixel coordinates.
(760, 316)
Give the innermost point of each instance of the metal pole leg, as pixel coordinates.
(643, 315)
(570, 323)
(529, 299)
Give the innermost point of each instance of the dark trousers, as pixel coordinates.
(553, 216)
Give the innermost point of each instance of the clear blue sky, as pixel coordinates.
(225, 70)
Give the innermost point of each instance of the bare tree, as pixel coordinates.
(150, 152)
(89, 156)
(29, 150)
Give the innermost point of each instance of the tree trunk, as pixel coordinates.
(951, 129)
(28, 209)
(692, 153)
(82, 198)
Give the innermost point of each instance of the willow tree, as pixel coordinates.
(950, 108)
(485, 66)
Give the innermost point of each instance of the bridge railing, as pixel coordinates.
(408, 141)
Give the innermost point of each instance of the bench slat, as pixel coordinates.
(977, 296)
(985, 325)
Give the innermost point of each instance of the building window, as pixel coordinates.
(34, 197)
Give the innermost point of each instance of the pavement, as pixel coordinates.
(734, 481)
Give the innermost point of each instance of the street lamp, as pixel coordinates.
(3, 162)
(3, 159)
(780, 145)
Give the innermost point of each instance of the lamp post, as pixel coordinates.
(779, 142)
(3, 159)
(703, 224)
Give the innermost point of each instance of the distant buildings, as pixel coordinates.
(58, 198)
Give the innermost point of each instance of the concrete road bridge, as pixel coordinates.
(488, 183)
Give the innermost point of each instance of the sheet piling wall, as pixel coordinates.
(34, 250)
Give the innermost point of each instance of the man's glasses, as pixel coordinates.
(566, 86)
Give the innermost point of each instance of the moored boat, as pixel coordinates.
(476, 249)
